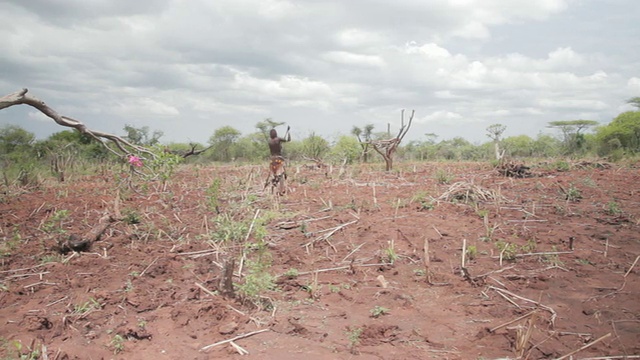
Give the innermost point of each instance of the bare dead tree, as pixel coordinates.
(388, 147)
(188, 153)
(123, 147)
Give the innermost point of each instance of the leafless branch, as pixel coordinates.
(22, 98)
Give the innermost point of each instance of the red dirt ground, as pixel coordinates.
(139, 292)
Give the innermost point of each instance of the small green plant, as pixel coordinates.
(91, 304)
(117, 343)
(390, 252)
(584, 262)
(572, 194)
(228, 230)
(128, 286)
(15, 350)
(529, 247)
(553, 259)
(257, 281)
(55, 222)
(164, 164)
(613, 208)
(213, 195)
(443, 177)
(378, 311)
(292, 273)
(482, 213)
(419, 272)
(131, 217)
(472, 252)
(425, 202)
(562, 166)
(488, 228)
(51, 258)
(353, 334)
(4, 287)
(507, 250)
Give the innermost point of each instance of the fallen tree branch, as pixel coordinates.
(22, 98)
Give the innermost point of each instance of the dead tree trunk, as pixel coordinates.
(387, 148)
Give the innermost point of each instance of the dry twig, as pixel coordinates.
(204, 348)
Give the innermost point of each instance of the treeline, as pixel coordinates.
(20, 152)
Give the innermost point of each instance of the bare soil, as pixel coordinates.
(550, 267)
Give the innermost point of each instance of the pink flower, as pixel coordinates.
(135, 161)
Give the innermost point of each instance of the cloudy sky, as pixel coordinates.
(188, 67)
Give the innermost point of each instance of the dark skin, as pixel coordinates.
(275, 142)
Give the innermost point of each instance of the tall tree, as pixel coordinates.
(222, 141)
(314, 146)
(622, 132)
(266, 125)
(572, 135)
(635, 101)
(142, 135)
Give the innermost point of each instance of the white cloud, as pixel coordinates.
(340, 63)
(634, 85)
(347, 58)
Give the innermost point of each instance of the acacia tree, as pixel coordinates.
(635, 101)
(387, 148)
(572, 135)
(494, 132)
(266, 126)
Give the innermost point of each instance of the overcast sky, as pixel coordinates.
(188, 67)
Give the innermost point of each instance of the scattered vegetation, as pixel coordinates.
(378, 311)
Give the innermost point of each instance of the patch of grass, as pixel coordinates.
(572, 193)
(561, 166)
(378, 311)
(292, 273)
(553, 259)
(443, 177)
(51, 258)
(529, 247)
(55, 222)
(389, 253)
(353, 334)
(131, 217)
(15, 350)
(612, 208)
(91, 304)
(424, 201)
